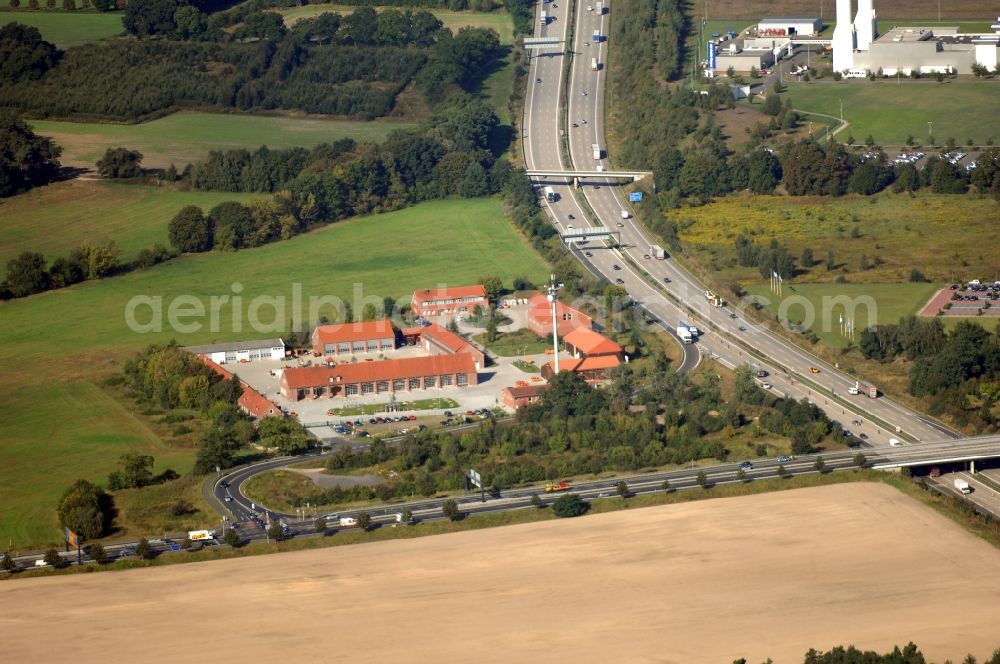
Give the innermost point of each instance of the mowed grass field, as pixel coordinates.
(185, 137)
(57, 425)
(947, 237)
(498, 21)
(822, 305)
(67, 28)
(891, 112)
(57, 218)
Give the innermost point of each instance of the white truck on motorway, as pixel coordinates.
(201, 535)
(597, 150)
(550, 194)
(348, 521)
(684, 333)
(545, 18)
(600, 6)
(962, 486)
(692, 329)
(657, 251)
(593, 64)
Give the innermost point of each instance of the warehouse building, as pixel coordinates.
(364, 379)
(376, 336)
(786, 27)
(567, 318)
(453, 302)
(241, 351)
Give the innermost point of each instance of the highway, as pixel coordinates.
(662, 287)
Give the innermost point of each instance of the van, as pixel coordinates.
(894, 442)
(853, 390)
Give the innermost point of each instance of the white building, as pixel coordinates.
(241, 351)
(785, 27)
(843, 38)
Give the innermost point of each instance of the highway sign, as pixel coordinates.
(475, 478)
(635, 197)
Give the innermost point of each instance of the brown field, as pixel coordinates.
(769, 575)
(754, 9)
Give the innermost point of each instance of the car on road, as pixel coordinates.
(538, 80)
(646, 256)
(742, 329)
(575, 125)
(617, 266)
(746, 465)
(856, 423)
(619, 280)
(935, 472)
(597, 186)
(814, 370)
(570, 217)
(588, 254)
(766, 386)
(620, 225)
(863, 436)
(784, 458)
(666, 280)
(229, 499)
(733, 315)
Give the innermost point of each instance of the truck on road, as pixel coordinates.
(684, 333)
(597, 36)
(657, 251)
(600, 6)
(962, 486)
(550, 194)
(561, 486)
(597, 150)
(594, 65)
(869, 391)
(714, 299)
(201, 535)
(348, 521)
(545, 18)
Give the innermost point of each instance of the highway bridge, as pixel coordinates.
(542, 175)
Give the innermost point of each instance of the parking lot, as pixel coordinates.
(965, 300)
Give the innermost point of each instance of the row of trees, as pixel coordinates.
(295, 71)
(29, 272)
(578, 429)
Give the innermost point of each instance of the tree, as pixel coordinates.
(772, 103)
(364, 521)
(450, 509)
(26, 274)
(120, 163)
(741, 475)
(145, 18)
(262, 25)
(407, 516)
(8, 563)
(830, 263)
(492, 325)
(782, 471)
(232, 538)
(819, 465)
(622, 489)
(492, 285)
(569, 505)
(190, 231)
(276, 531)
(25, 57)
(52, 557)
(319, 524)
(144, 550)
(807, 259)
(98, 553)
(702, 479)
(665, 486)
(191, 24)
(860, 460)
(136, 471)
(536, 501)
(85, 509)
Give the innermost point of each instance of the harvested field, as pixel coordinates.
(764, 576)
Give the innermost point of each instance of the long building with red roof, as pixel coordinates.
(453, 302)
(251, 401)
(383, 377)
(375, 336)
(567, 318)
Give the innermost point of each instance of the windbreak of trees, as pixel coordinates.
(578, 429)
(355, 66)
(26, 160)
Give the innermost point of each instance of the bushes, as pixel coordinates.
(26, 160)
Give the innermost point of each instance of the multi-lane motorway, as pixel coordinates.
(664, 288)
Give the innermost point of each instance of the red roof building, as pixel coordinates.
(251, 401)
(593, 369)
(521, 395)
(452, 302)
(379, 377)
(567, 318)
(354, 338)
(583, 342)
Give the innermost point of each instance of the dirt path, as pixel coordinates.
(762, 576)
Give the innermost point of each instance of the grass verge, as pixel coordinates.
(377, 408)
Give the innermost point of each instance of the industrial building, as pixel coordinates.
(784, 27)
(363, 379)
(374, 336)
(240, 351)
(859, 49)
(454, 302)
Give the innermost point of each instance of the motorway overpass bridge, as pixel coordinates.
(562, 175)
(934, 452)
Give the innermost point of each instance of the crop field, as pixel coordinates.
(910, 9)
(57, 426)
(632, 585)
(185, 137)
(824, 304)
(941, 235)
(891, 112)
(67, 28)
(497, 21)
(57, 218)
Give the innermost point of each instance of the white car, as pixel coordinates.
(765, 386)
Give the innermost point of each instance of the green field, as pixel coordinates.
(57, 218)
(872, 303)
(65, 28)
(498, 21)
(57, 426)
(891, 112)
(185, 137)
(941, 235)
